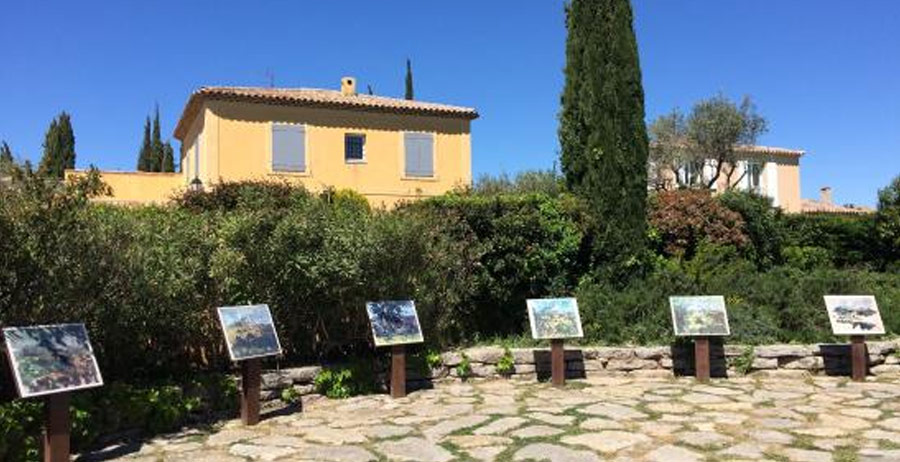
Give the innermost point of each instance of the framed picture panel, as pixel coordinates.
(697, 316)
(51, 359)
(249, 331)
(854, 315)
(394, 322)
(554, 318)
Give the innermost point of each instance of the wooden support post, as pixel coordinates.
(557, 363)
(56, 433)
(859, 358)
(701, 358)
(398, 371)
(251, 381)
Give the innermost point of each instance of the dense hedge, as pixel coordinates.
(146, 280)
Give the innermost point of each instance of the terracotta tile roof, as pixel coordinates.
(756, 149)
(771, 150)
(815, 206)
(316, 98)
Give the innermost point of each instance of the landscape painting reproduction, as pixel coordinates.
(394, 322)
(699, 316)
(854, 315)
(51, 359)
(554, 318)
(249, 331)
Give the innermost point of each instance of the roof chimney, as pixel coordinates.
(825, 195)
(348, 86)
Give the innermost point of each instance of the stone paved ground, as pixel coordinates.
(800, 419)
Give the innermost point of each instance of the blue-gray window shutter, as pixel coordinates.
(288, 148)
(419, 154)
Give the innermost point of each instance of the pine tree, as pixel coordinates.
(156, 146)
(59, 147)
(144, 162)
(409, 80)
(602, 132)
(168, 160)
(6, 157)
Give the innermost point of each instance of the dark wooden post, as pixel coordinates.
(251, 381)
(701, 358)
(398, 371)
(557, 363)
(858, 357)
(56, 433)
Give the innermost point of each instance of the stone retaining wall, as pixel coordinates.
(662, 361)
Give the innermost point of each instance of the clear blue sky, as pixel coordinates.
(826, 73)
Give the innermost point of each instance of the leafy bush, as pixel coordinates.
(682, 220)
(506, 365)
(464, 368)
(341, 382)
(117, 407)
(433, 359)
(887, 221)
(763, 225)
(743, 364)
(847, 238)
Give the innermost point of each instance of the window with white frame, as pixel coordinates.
(288, 148)
(418, 149)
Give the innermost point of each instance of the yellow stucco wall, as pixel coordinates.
(236, 144)
(789, 185)
(138, 187)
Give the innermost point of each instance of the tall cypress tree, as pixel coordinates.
(602, 132)
(409, 80)
(168, 161)
(59, 147)
(145, 154)
(156, 146)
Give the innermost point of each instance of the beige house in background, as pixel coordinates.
(387, 149)
(769, 171)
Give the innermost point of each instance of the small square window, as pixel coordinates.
(354, 147)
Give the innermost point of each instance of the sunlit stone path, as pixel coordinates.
(805, 419)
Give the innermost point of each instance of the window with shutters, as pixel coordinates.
(354, 148)
(418, 154)
(288, 148)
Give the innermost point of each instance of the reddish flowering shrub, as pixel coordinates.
(681, 220)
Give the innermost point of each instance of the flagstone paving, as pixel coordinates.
(599, 419)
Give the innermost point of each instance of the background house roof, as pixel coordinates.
(316, 98)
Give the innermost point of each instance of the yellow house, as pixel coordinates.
(387, 149)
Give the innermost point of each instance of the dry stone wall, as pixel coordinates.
(662, 361)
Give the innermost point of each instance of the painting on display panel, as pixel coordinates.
(554, 318)
(698, 316)
(854, 315)
(249, 331)
(51, 359)
(394, 322)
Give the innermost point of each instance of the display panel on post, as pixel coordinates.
(555, 319)
(856, 316)
(250, 336)
(51, 362)
(700, 317)
(395, 323)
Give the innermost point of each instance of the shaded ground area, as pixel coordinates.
(807, 419)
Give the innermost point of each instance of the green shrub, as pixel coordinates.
(887, 221)
(743, 364)
(291, 395)
(763, 224)
(808, 257)
(345, 381)
(334, 383)
(506, 365)
(847, 238)
(433, 359)
(464, 368)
